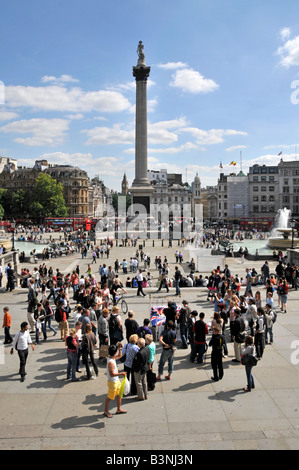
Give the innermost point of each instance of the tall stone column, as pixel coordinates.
(141, 189)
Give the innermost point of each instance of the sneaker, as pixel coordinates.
(167, 377)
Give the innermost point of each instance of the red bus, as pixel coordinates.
(259, 223)
(75, 223)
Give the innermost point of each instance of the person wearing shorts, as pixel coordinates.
(113, 382)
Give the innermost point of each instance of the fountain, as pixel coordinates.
(281, 235)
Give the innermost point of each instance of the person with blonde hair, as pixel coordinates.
(130, 350)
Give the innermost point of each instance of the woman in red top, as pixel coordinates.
(284, 290)
(6, 325)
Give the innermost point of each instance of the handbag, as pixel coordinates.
(248, 360)
(103, 350)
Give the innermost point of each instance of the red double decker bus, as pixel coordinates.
(75, 223)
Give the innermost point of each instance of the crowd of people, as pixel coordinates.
(245, 319)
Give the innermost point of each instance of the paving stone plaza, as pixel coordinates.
(189, 412)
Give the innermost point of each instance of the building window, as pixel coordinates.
(271, 188)
(255, 188)
(255, 208)
(264, 188)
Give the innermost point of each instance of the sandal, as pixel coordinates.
(108, 415)
(121, 412)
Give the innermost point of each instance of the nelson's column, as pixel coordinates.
(141, 188)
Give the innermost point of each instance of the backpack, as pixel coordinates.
(58, 315)
(142, 332)
(113, 324)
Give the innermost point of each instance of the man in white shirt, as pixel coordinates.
(139, 282)
(21, 341)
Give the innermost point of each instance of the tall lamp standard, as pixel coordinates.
(13, 226)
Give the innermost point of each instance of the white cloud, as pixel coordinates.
(173, 65)
(289, 53)
(75, 116)
(42, 131)
(58, 80)
(235, 147)
(285, 33)
(212, 136)
(109, 136)
(191, 81)
(58, 98)
(7, 115)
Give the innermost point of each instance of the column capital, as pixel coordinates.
(141, 74)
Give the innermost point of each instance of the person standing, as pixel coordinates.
(167, 340)
(217, 342)
(269, 317)
(21, 341)
(249, 349)
(6, 325)
(32, 303)
(200, 330)
(72, 343)
(130, 350)
(115, 326)
(61, 318)
(88, 344)
(259, 339)
(140, 367)
(48, 319)
(183, 322)
(177, 279)
(131, 325)
(113, 381)
(238, 334)
(103, 327)
(140, 282)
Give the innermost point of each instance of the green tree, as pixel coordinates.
(47, 199)
(2, 195)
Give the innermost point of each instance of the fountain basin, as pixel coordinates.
(283, 243)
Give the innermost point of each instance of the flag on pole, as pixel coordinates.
(220, 165)
(280, 153)
(233, 163)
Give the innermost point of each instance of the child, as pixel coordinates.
(6, 325)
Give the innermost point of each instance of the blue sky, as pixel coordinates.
(221, 82)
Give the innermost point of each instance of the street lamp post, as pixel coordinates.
(13, 225)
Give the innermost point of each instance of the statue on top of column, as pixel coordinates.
(141, 56)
